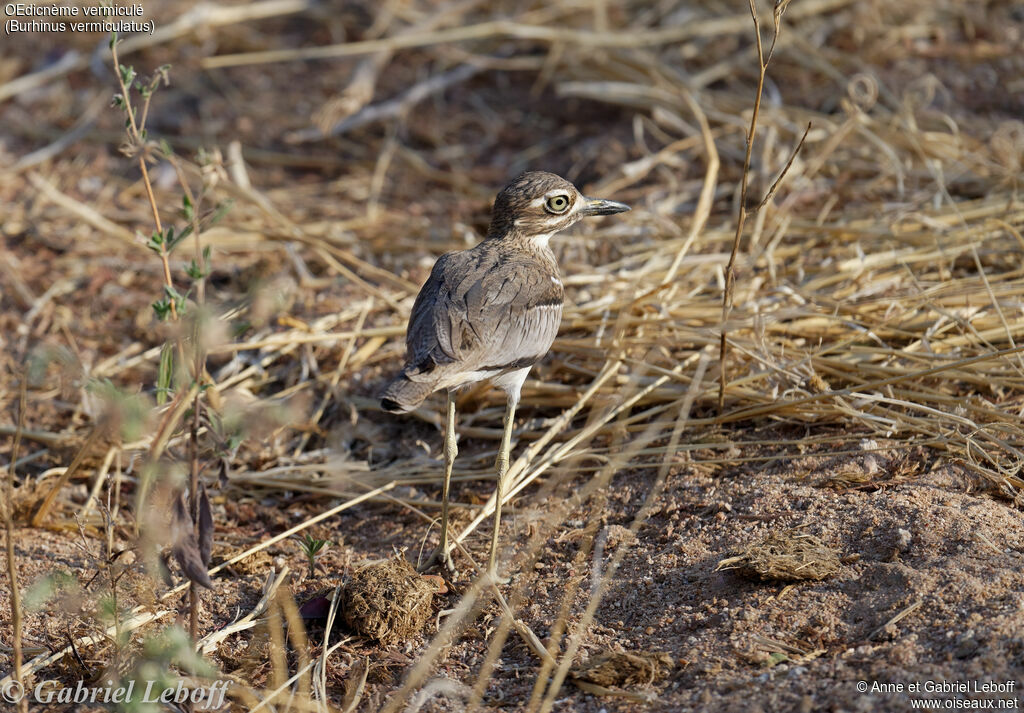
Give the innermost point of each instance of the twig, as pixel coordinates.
(86, 213)
(902, 614)
(300, 527)
(362, 85)
(68, 63)
(730, 269)
(87, 446)
(513, 30)
(79, 130)
(140, 616)
(393, 108)
(203, 15)
(135, 132)
(785, 169)
(12, 562)
(335, 378)
(198, 375)
(208, 644)
(707, 191)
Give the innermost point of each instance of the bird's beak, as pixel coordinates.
(599, 206)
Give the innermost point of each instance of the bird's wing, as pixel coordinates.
(515, 308)
(484, 311)
(423, 342)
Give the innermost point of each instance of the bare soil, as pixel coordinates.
(918, 538)
(920, 504)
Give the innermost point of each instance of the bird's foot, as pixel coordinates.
(438, 557)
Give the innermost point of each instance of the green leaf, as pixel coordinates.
(163, 311)
(127, 75)
(199, 271)
(131, 408)
(107, 607)
(187, 210)
(312, 545)
(156, 242)
(166, 148)
(171, 295)
(174, 241)
(173, 646)
(44, 589)
(113, 40)
(220, 211)
(165, 373)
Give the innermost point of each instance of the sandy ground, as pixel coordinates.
(912, 540)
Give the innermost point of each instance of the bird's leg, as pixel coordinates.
(451, 449)
(502, 468)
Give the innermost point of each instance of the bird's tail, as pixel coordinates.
(403, 394)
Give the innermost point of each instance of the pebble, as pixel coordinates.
(903, 539)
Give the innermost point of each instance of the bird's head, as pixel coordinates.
(537, 205)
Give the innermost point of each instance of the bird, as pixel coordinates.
(491, 312)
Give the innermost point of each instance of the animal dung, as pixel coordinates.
(387, 600)
(787, 556)
(616, 669)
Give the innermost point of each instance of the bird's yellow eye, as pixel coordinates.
(557, 204)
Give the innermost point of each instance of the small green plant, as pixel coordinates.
(182, 379)
(152, 675)
(312, 548)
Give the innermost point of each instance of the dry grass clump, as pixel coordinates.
(387, 600)
(787, 556)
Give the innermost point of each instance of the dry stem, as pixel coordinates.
(12, 563)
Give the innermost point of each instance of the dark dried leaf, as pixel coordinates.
(316, 608)
(185, 547)
(205, 527)
(223, 468)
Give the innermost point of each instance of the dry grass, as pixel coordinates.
(878, 295)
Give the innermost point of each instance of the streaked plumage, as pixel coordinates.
(491, 312)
